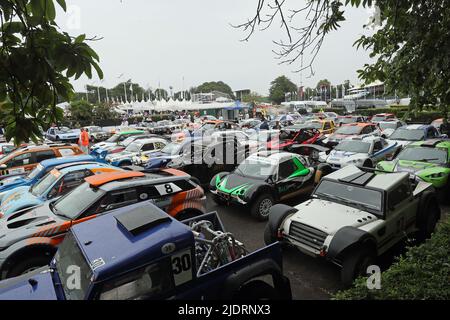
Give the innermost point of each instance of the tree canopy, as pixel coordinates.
(410, 41)
(37, 61)
(214, 86)
(279, 87)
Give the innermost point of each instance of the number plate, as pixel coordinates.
(182, 267)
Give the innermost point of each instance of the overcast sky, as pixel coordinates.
(162, 41)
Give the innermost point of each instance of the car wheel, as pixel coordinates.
(256, 290)
(28, 265)
(278, 214)
(355, 264)
(260, 208)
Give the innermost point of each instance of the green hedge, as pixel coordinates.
(422, 273)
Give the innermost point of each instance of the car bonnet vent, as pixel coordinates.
(141, 219)
(360, 178)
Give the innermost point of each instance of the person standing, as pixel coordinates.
(84, 141)
(264, 125)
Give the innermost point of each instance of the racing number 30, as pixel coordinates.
(182, 267)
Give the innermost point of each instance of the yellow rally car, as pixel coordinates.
(324, 126)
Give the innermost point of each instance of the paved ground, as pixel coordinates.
(310, 278)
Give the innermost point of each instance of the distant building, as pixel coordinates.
(210, 97)
(240, 94)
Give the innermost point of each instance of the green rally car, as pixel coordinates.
(264, 179)
(425, 160)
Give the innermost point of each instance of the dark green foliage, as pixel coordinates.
(36, 63)
(422, 273)
(279, 87)
(214, 86)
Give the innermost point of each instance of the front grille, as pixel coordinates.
(307, 235)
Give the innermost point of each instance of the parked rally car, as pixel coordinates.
(354, 216)
(264, 179)
(23, 160)
(96, 134)
(29, 238)
(359, 129)
(296, 134)
(43, 168)
(141, 253)
(115, 139)
(165, 155)
(366, 152)
(63, 134)
(59, 181)
(137, 148)
(428, 161)
(415, 132)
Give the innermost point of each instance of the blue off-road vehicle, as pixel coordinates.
(140, 252)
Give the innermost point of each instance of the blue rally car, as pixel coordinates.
(140, 252)
(44, 167)
(59, 181)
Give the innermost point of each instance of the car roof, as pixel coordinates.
(110, 246)
(130, 132)
(416, 126)
(272, 156)
(99, 180)
(63, 160)
(432, 143)
(385, 181)
(358, 124)
(149, 140)
(139, 179)
(86, 165)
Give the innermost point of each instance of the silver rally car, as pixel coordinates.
(354, 216)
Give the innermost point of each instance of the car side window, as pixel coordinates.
(145, 283)
(122, 198)
(148, 147)
(286, 168)
(69, 182)
(399, 194)
(377, 146)
(44, 155)
(20, 160)
(327, 126)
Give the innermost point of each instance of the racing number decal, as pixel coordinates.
(182, 267)
(167, 188)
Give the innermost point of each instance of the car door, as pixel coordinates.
(20, 164)
(289, 179)
(377, 151)
(400, 215)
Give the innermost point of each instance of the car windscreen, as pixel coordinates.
(36, 172)
(378, 118)
(133, 147)
(346, 120)
(70, 261)
(315, 125)
(127, 141)
(256, 168)
(387, 125)
(408, 134)
(75, 202)
(63, 130)
(424, 154)
(349, 130)
(114, 138)
(351, 195)
(46, 182)
(353, 146)
(172, 148)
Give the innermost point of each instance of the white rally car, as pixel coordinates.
(366, 152)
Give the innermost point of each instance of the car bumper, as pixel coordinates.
(228, 197)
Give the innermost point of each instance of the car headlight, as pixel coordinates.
(436, 175)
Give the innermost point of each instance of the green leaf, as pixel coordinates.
(50, 11)
(36, 8)
(97, 68)
(62, 3)
(80, 38)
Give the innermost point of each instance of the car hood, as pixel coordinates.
(339, 156)
(119, 156)
(412, 166)
(21, 196)
(331, 216)
(12, 182)
(339, 137)
(25, 223)
(6, 188)
(20, 288)
(68, 135)
(232, 182)
(104, 145)
(402, 143)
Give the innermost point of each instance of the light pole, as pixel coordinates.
(124, 88)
